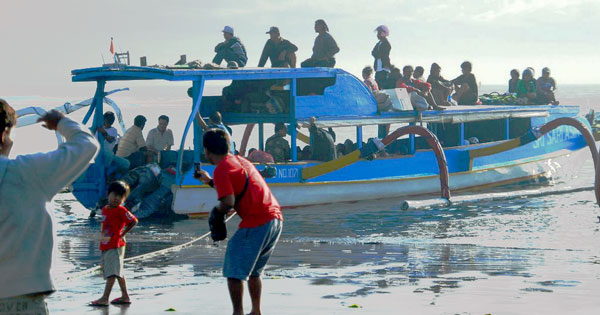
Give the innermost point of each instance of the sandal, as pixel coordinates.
(96, 303)
(120, 301)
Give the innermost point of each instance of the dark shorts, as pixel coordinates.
(249, 250)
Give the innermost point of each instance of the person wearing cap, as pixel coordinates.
(231, 50)
(545, 87)
(324, 48)
(526, 89)
(381, 53)
(281, 51)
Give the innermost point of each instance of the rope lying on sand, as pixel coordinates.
(160, 252)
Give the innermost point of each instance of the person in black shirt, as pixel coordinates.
(466, 86)
(381, 53)
(281, 51)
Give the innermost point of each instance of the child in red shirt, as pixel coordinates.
(116, 222)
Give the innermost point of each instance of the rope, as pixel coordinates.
(160, 252)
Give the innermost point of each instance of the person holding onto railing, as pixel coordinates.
(242, 188)
(27, 185)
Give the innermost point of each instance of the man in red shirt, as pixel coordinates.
(240, 186)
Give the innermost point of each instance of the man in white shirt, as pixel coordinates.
(132, 145)
(160, 138)
(27, 185)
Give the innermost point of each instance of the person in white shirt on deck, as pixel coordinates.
(111, 137)
(27, 185)
(160, 138)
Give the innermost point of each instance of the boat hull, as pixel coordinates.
(199, 200)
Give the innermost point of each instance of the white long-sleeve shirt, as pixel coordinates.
(27, 185)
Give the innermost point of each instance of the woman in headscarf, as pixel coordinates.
(381, 53)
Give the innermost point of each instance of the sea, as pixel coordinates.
(520, 255)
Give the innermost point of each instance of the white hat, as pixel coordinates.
(228, 29)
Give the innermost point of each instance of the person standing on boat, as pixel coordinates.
(133, 146)
(324, 48)
(466, 86)
(277, 146)
(28, 184)
(242, 188)
(231, 50)
(281, 51)
(161, 137)
(381, 53)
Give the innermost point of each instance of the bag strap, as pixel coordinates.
(238, 198)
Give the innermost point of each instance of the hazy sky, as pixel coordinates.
(42, 41)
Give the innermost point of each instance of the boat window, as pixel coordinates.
(480, 131)
(313, 86)
(255, 96)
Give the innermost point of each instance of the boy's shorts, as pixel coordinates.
(249, 250)
(112, 262)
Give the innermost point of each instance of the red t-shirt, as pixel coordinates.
(258, 205)
(113, 222)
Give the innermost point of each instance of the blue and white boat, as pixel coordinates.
(508, 149)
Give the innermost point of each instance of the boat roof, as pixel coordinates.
(120, 72)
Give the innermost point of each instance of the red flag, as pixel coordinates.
(112, 48)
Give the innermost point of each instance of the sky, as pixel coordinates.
(42, 41)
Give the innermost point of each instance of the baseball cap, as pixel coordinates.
(228, 29)
(273, 29)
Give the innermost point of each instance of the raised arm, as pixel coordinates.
(55, 170)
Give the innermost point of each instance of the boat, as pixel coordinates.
(506, 143)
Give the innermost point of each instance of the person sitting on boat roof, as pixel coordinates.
(440, 87)
(545, 88)
(324, 48)
(367, 74)
(419, 91)
(466, 86)
(322, 143)
(512, 82)
(231, 50)
(111, 137)
(215, 121)
(161, 137)
(28, 183)
(281, 51)
(381, 53)
(133, 146)
(277, 146)
(392, 79)
(526, 89)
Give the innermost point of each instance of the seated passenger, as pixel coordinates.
(440, 87)
(231, 50)
(324, 48)
(526, 89)
(367, 74)
(392, 78)
(420, 97)
(512, 82)
(160, 138)
(321, 143)
(545, 88)
(111, 137)
(281, 51)
(466, 86)
(277, 146)
(133, 146)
